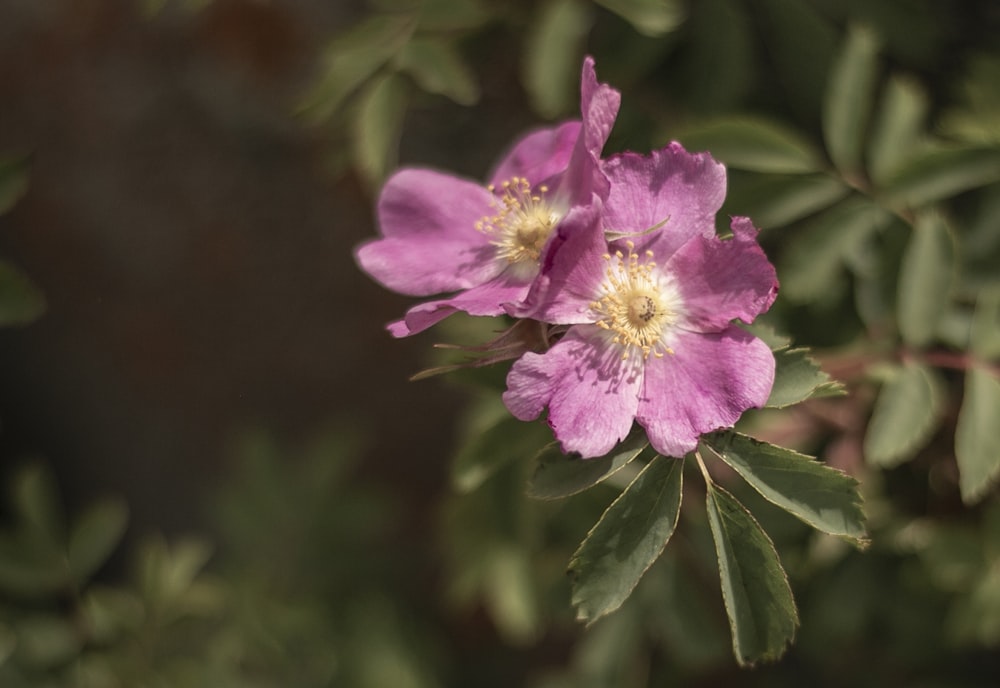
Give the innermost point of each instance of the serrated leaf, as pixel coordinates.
(352, 59)
(816, 258)
(755, 144)
(377, 126)
(898, 129)
(977, 442)
(822, 497)
(906, 414)
(627, 539)
(95, 536)
(925, 279)
(774, 201)
(798, 377)
(439, 68)
(508, 440)
(648, 17)
(559, 475)
(935, 174)
(20, 301)
(13, 182)
(755, 589)
(848, 99)
(552, 56)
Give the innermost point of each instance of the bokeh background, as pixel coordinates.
(211, 360)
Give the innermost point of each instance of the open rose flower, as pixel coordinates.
(442, 233)
(651, 337)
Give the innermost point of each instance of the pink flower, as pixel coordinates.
(442, 233)
(651, 337)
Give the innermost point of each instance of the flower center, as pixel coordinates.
(637, 305)
(521, 223)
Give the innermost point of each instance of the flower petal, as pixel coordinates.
(669, 184)
(706, 384)
(599, 105)
(488, 298)
(592, 394)
(572, 270)
(430, 242)
(722, 280)
(539, 155)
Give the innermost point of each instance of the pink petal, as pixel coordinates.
(572, 271)
(488, 298)
(592, 394)
(430, 242)
(539, 155)
(670, 184)
(708, 382)
(599, 105)
(722, 280)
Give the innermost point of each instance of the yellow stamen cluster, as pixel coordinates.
(633, 307)
(522, 221)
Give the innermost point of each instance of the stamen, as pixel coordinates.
(634, 307)
(522, 221)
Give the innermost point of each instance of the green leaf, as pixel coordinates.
(627, 539)
(649, 17)
(377, 126)
(906, 414)
(37, 502)
(774, 201)
(798, 377)
(453, 15)
(985, 330)
(848, 99)
(816, 258)
(48, 640)
(552, 56)
(820, 496)
(925, 279)
(560, 475)
(898, 131)
(754, 144)
(439, 68)
(759, 603)
(20, 301)
(935, 174)
(977, 442)
(95, 536)
(352, 59)
(508, 440)
(13, 181)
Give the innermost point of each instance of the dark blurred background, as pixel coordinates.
(195, 258)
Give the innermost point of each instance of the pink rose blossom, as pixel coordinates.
(651, 338)
(442, 233)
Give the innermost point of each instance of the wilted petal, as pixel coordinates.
(430, 244)
(683, 189)
(592, 394)
(723, 280)
(706, 384)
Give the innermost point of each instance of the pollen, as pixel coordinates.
(637, 305)
(521, 223)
